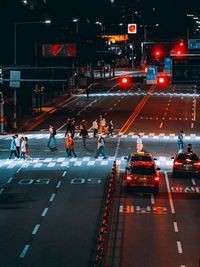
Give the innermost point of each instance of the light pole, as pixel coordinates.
(47, 21)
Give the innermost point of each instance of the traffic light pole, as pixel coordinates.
(15, 110)
(1, 114)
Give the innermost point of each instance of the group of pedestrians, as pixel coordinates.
(19, 147)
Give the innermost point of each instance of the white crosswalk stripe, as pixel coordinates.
(74, 162)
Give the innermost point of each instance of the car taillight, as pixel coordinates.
(197, 163)
(177, 163)
(129, 178)
(156, 178)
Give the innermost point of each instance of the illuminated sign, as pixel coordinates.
(132, 28)
(59, 50)
(116, 38)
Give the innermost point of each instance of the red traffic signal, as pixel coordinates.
(163, 80)
(124, 80)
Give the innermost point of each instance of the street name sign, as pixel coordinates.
(186, 69)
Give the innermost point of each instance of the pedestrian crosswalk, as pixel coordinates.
(62, 162)
(151, 135)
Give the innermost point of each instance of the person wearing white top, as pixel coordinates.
(95, 127)
(139, 146)
(17, 142)
(23, 148)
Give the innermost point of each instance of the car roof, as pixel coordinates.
(146, 154)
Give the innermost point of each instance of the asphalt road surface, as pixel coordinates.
(50, 206)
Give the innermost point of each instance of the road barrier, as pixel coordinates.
(105, 219)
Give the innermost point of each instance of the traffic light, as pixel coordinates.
(163, 80)
(125, 80)
(158, 51)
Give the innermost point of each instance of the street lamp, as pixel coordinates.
(47, 21)
(76, 20)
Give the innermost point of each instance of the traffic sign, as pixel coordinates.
(15, 76)
(152, 74)
(194, 44)
(167, 65)
(132, 28)
(186, 70)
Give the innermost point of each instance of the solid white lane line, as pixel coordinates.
(24, 251)
(36, 229)
(175, 227)
(58, 184)
(9, 180)
(52, 197)
(64, 173)
(179, 246)
(44, 212)
(193, 181)
(152, 199)
(169, 193)
(161, 125)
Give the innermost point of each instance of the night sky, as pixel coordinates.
(171, 15)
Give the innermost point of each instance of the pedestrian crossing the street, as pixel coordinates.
(51, 163)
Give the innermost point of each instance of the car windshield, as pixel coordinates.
(143, 169)
(141, 158)
(187, 156)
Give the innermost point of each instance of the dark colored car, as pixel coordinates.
(186, 163)
(141, 172)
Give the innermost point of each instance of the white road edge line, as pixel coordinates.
(169, 193)
(24, 251)
(179, 246)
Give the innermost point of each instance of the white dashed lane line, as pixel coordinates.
(64, 173)
(175, 227)
(24, 251)
(52, 197)
(179, 246)
(44, 212)
(36, 229)
(193, 181)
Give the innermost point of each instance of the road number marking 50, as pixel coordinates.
(31, 181)
(85, 181)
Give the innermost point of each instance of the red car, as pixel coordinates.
(143, 174)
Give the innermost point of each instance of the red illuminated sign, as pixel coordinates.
(59, 50)
(132, 28)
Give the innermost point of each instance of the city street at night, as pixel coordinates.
(99, 133)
